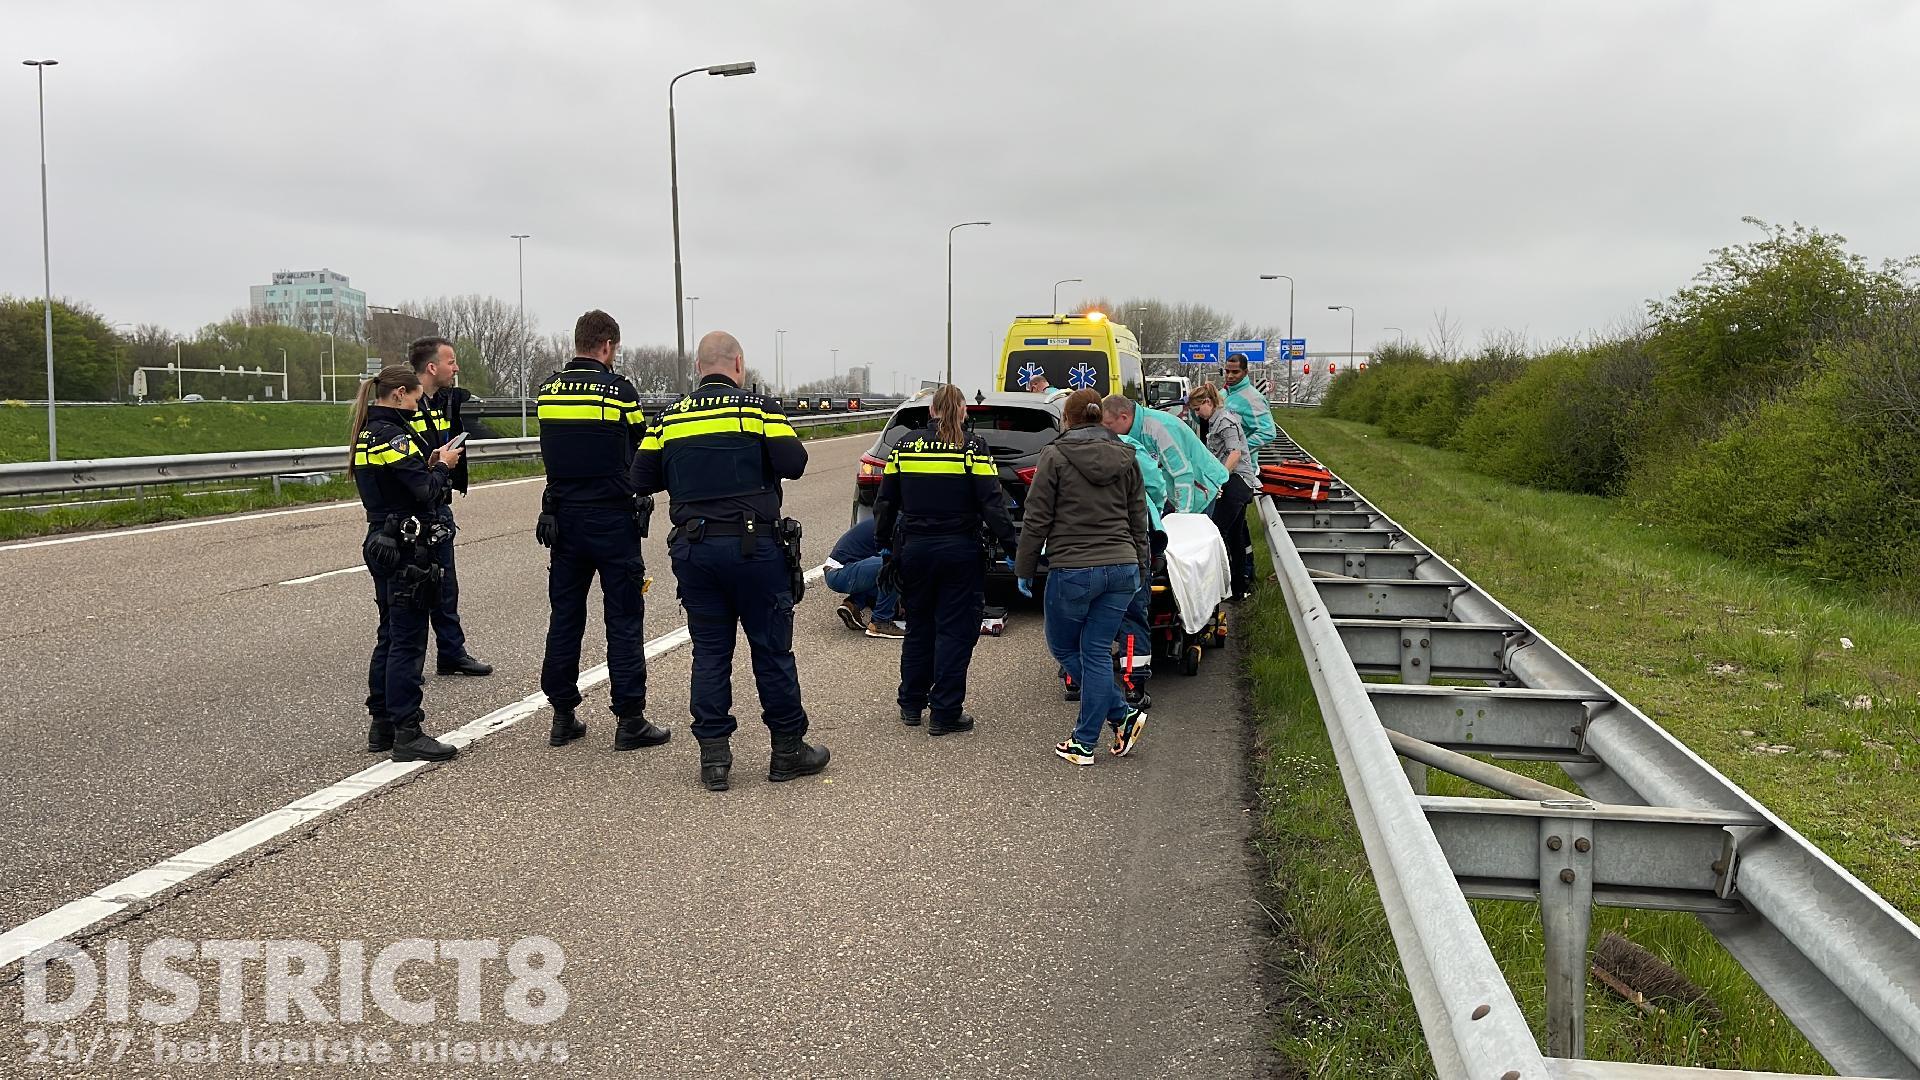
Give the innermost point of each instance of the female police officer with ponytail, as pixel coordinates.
(400, 485)
(940, 487)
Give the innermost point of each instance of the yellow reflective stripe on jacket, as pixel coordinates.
(674, 427)
(598, 407)
(363, 454)
(914, 459)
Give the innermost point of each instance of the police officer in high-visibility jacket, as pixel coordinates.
(721, 453)
(400, 485)
(590, 425)
(940, 487)
(436, 420)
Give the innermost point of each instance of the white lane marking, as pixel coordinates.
(317, 577)
(76, 917)
(199, 522)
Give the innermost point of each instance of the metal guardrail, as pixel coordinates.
(26, 478)
(1654, 826)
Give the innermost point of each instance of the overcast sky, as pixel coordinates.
(1536, 166)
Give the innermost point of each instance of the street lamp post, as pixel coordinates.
(780, 362)
(333, 366)
(673, 167)
(835, 369)
(46, 251)
(962, 225)
(1289, 281)
(1350, 319)
(1397, 330)
(693, 328)
(520, 242)
(1056, 291)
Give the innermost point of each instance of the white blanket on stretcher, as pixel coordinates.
(1197, 567)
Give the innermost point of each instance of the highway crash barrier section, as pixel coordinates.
(1652, 825)
(92, 474)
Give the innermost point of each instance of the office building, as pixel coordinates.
(318, 301)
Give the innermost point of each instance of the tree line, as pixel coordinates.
(1769, 409)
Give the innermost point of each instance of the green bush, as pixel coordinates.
(1416, 397)
(1567, 423)
(1824, 480)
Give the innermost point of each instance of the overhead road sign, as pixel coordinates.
(1255, 351)
(1199, 352)
(1293, 348)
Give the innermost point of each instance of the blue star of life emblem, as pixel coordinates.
(1082, 377)
(1028, 372)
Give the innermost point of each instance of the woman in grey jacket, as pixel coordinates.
(1228, 442)
(1087, 507)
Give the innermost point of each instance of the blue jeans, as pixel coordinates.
(860, 583)
(1084, 607)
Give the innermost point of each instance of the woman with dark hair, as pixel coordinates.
(1227, 440)
(940, 491)
(400, 486)
(1087, 507)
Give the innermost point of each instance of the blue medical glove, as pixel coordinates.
(1025, 585)
(1007, 562)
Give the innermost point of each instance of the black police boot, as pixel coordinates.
(380, 735)
(636, 732)
(412, 744)
(912, 717)
(465, 665)
(955, 727)
(716, 757)
(793, 758)
(566, 728)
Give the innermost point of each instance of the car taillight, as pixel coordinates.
(1026, 474)
(871, 469)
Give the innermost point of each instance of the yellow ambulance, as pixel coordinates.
(1073, 352)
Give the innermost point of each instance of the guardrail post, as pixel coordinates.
(1416, 669)
(1566, 918)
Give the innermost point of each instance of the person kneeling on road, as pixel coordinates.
(853, 569)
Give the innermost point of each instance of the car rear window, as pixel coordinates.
(1005, 429)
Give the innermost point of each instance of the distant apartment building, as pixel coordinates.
(319, 301)
(860, 380)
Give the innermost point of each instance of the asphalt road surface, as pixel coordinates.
(964, 906)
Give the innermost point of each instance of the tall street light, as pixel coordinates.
(333, 362)
(1397, 330)
(520, 241)
(693, 328)
(1056, 291)
(673, 167)
(1289, 281)
(780, 362)
(1350, 318)
(46, 250)
(962, 225)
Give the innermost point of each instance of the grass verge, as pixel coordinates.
(1746, 667)
(115, 508)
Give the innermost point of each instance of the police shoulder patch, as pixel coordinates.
(401, 444)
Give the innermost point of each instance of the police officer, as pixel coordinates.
(940, 486)
(433, 423)
(590, 424)
(720, 453)
(400, 485)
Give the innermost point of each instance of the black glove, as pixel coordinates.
(382, 552)
(545, 529)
